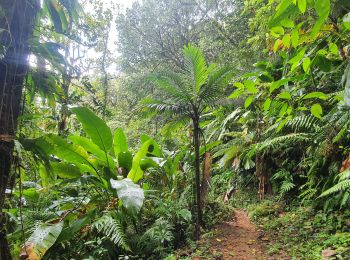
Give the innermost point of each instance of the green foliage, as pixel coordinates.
(43, 237)
(131, 194)
(95, 128)
(110, 228)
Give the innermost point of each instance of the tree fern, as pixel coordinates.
(111, 228)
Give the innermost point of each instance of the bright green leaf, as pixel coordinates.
(285, 95)
(120, 142)
(306, 65)
(248, 101)
(250, 86)
(316, 110)
(319, 95)
(267, 104)
(295, 38)
(94, 127)
(302, 5)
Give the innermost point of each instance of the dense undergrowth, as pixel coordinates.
(135, 155)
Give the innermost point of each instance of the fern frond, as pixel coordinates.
(344, 199)
(111, 228)
(286, 186)
(340, 186)
(344, 175)
(282, 140)
(304, 122)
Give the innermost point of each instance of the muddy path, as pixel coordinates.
(237, 239)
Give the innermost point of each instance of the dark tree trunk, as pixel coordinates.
(197, 175)
(64, 113)
(18, 23)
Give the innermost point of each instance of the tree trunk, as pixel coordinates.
(18, 23)
(66, 81)
(206, 173)
(105, 74)
(197, 175)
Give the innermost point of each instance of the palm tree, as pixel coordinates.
(188, 94)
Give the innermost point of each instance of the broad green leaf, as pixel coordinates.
(306, 65)
(69, 152)
(285, 95)
(248, 101)
(136, 173)
(323, 63)
(154, 148)
(149, 162)
(120, 142)
(319, 95)
(286, 40)
(287, 23)
(283, 110)
(316, 110)
(302, 5)
(333, 48)
(94, 127)
(277, 84)
(277, 31)
(65, 170)
(125, 160)
(284, 10)
(43, 237)
(323, 8)
(130, 194)
(267, 104)
(237, 93)
(30, 194)
(47, 176)
(103, 158)
(250, 86)
(294, 38)
(239, 85)
(296, 59)
(277, 45)
(208, 147)
(88, 145)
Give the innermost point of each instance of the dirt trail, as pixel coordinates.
(238, 239)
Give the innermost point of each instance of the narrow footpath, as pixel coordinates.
(238, 239)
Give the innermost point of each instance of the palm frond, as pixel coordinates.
(171, 85)
(167, 106)
(195, 66)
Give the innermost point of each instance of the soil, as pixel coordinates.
(237, 239)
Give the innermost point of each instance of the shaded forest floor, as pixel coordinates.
(271, 229)
(237, 239)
